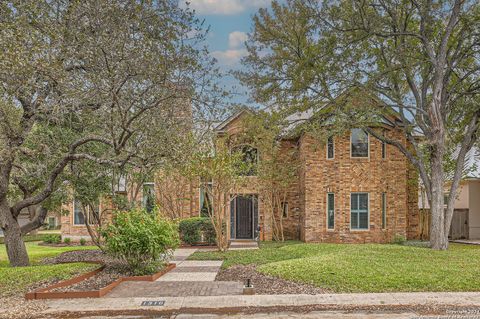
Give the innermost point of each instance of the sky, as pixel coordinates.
(229, 21)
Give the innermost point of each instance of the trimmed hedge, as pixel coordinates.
(191, 230)
(27, 238)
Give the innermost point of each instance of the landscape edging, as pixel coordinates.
(45, 293)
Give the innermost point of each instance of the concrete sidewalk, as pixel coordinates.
(460, 299)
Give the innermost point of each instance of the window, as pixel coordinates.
(445, 198)
(78, 217)
(250, 157)
(52, 223)
(359, 143)
(205, 200)
(384, 150)
(330, 148)
(359, 211)
(93, 213)
(148, 197)
(330, 211)
(121, 185)
(285, 209)
(384, 210)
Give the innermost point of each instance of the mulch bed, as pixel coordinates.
(74, 244)
(266, 285)
(109, 274)
(78, 256)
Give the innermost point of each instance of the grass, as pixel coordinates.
(363, 268)
(18, 279)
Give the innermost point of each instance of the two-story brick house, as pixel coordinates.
(353, 189)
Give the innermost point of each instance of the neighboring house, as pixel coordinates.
(353, 189)
(466, 215)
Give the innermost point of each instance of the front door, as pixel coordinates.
(244, 213)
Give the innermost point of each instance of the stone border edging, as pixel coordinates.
(45, 293)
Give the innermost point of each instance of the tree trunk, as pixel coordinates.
(438, 237)
(16, 250)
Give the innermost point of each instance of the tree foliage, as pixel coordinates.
(419, 58)
(114, 83)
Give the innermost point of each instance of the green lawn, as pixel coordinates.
(364, 268)
(16, 280)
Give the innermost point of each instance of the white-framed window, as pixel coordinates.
(78, 217)
(148, 199)
(92, 212)
(384, 150)
(52, 222)
(330, 148)
(330, 210)
(359, 211)
(359, 146)
(285, 209)
(384, 210)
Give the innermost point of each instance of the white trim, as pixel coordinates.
(368, 146)
(331, 229)
(326, 155)
(368, 213)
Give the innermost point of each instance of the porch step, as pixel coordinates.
(243, 244)
(175, 289)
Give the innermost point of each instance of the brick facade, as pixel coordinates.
(307, 197)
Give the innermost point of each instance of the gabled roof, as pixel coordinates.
(221, 127)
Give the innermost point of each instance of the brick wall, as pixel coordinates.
(344, 175)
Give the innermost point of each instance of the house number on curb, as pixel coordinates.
(153, 303)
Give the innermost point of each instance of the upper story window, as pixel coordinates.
(359, 143)
(250, 157)
(148, 199)
(384, 150)
(330, 148)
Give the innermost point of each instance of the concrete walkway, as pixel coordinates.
(330, 301)
(188, 278)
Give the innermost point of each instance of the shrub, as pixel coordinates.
(83, 241)
(67, 240)
(52, 239)
(399, 239)
(143, 240)
(191, 230)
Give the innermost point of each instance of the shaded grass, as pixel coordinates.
(18, 279)
(365, 268)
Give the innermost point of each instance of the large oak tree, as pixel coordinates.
(100, 81)
(419, 57)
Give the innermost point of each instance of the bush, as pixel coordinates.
(67, 240)
(192, 229)
(83, 241)
(52, 239)
(143, 240)
(399, 239)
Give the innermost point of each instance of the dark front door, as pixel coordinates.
(244, 213)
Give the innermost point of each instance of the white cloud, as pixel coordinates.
(229, 57)
(225, 7)
(236, 39)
